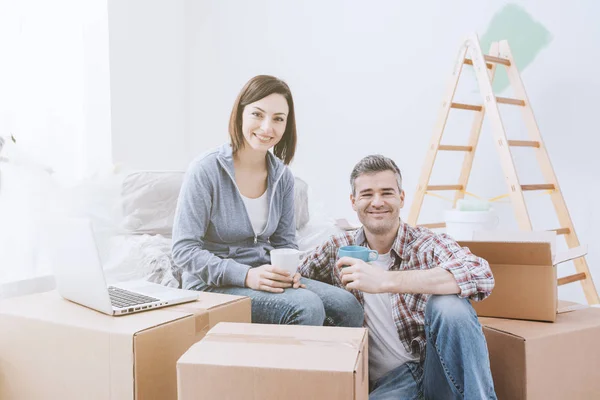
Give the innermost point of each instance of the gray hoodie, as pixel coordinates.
(213, 240)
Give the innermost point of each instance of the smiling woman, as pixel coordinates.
(237, 204)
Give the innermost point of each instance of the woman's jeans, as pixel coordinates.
(319, 304)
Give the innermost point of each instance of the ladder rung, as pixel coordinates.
(572, 278)
(462, 106)
(497, 60)
(468, 61)
(561, 231)
(492, 59)
(450, 147)
(433, 225)
(445, 187)
(506, 100)
(542, 186)
(524, 143)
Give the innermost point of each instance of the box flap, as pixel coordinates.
(530, 330)
(498, 235)
(568, 306)
(297, 347)
(532, 237)
(570, 254)
(522, 253)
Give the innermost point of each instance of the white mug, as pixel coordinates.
(287, 259)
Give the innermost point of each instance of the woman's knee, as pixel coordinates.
(306, 309)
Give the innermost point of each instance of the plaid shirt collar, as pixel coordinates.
(400, 245)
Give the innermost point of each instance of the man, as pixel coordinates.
(424, 336)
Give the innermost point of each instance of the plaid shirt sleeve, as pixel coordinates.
(318, 264)
(472, 273)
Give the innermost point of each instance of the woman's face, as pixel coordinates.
(264, 121)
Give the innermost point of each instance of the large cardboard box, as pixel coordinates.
(539, 360)
(272, 362)
(525, 278)
(51, 348)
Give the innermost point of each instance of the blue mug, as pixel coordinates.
(360, 252)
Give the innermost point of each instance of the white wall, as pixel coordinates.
(54, 79)
(55, 100)
(366, 78)
(148, 83)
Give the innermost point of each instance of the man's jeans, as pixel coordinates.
(456, 364)
(319, 304)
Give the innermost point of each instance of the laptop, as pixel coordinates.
(80, 277)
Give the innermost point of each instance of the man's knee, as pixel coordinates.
(348, 307)
(449, 308)
(308, 309)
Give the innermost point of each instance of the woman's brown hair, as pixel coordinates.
(258, 88)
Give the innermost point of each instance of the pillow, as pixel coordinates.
(149, 200)
(301, 203)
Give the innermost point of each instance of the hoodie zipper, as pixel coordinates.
(245, 209)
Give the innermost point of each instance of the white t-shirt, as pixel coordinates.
(258, 211)
(386, 351)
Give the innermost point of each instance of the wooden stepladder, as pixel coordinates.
(485, 67)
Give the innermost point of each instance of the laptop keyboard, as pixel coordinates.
(124, 298)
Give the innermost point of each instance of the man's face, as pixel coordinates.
(377, 200)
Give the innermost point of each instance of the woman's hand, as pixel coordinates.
(271, 279)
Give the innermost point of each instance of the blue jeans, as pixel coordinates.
(456, 364)
(319, 304)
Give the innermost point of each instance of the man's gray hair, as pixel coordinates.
(372, 164)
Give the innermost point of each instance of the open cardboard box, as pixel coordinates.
(524, 268)
(51, 348)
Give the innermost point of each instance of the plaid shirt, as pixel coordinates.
(413, 249)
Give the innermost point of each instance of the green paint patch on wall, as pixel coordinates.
(526, 38)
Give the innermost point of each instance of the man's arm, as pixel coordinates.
(357, 274)
(430, 281)
(472, 273)
(446, 268)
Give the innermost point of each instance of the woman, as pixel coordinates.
(237, 203)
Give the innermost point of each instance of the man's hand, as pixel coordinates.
(270, 279)
(297, 283)
(357, 274)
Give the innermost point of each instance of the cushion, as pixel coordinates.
(149, 199)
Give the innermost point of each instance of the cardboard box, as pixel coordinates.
(539, 360)
(524, 272)
(272, 362)
(51, 348)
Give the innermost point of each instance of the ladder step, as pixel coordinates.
(524, 143)
(543, 186)
(561, 231)
(462, 106)
(492, 59)
(433, 225)
(468, 61)
(506, 100)
(445, 187)
(449, 147)
(572, 278)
